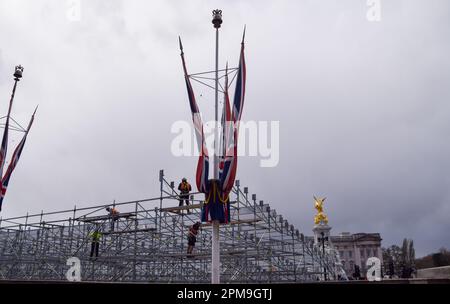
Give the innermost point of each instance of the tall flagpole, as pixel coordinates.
(17, 75)
(4, 144)
(215, 250)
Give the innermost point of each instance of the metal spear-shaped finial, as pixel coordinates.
(181, 45)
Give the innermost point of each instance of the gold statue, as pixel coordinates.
(320, 216)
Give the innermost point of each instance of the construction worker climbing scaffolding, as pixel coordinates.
(114, 216)
(95, 236)
(192, 237)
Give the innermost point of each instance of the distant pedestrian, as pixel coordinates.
(357, 273)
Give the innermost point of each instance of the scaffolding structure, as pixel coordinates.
(146, 242)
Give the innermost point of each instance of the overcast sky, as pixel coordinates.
(363, 106)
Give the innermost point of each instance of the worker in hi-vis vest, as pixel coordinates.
(184, 188)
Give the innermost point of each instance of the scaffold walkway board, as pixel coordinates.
(130, 231)
(105, 217)
(237, 222)
(147, 242)
(177, 209)
(188, 207)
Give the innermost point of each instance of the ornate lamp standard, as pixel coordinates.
(323, 239)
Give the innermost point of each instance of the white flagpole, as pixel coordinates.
(215, 246)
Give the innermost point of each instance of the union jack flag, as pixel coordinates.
(203, 160)
(239, 92)
(227, 127)
(231, 128)
(14, 160)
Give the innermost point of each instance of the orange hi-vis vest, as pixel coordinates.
(185, 187)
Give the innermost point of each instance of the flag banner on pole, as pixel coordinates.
(217, 205)
(239, 93)
(14, 160)
(227, 127)
(217, 202)
(203, 160)
(231, 128)
(228, 153)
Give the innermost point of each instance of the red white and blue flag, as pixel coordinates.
(239, 92)
(227, 126)
(14, 160)
(231, 128)
(203, 160)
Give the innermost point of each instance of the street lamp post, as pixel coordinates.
(323, 239)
